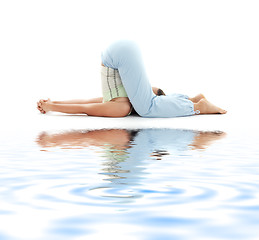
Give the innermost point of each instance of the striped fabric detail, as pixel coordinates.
(115, 82)
(108, 84)
(112, 86)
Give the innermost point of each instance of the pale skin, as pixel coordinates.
(117, 107)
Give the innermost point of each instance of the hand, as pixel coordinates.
(39, 105)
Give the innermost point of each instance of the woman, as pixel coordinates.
(125, 84)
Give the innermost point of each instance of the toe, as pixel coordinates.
(222, 111)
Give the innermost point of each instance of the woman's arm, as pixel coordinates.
(80, 101)
(107, 109)
(93, 100)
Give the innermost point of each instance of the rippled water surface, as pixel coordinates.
(129, 184)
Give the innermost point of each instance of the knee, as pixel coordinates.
(127, 45)
(120, 52)
(124, 48)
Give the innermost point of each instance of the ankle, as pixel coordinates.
(199, 107)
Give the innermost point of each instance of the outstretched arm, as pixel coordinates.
(107, 109)
(92, 100)
(80, 101)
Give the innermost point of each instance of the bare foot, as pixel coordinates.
(203, 139)
(197, 98)
(205, 107)
(44, 105)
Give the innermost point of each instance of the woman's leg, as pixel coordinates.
(206, 107)
(108, 109)
(197, 98)
(125, 56)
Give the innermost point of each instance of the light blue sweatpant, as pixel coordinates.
(125, 56)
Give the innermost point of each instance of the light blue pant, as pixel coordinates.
(125, 56)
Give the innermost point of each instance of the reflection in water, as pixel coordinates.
(88, 184)
(125, 151)
(117, 141)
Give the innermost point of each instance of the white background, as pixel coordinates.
(51, 49)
